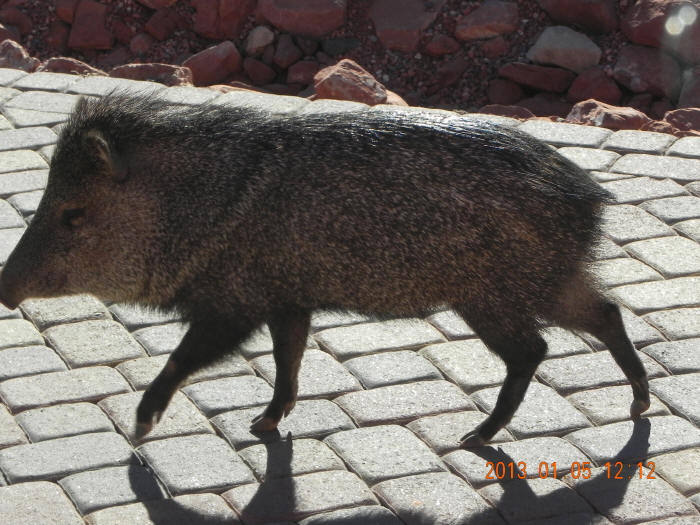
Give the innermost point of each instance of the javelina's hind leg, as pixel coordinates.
(289, 329)
(205, 342)
(522, 350)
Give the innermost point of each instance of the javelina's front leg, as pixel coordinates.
(289, 329)
(205, 342)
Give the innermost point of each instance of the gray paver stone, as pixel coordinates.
(9, 218)
(9, 76)
(611, 404)
(196, 463)
(677, 356)
(36, 503)
(685, 147)
(352, 341)
(681, 393)
(296, 498)
(161, 339)
(384, 452)
(56, 458)
(443, 432)
(189, 509)
(680, 323)
(660, 295)
(581, 518)
(22, 181)
(680, 469)
(42, 101)
(616, 272)
(451, 324)
(180, 417)
(18, 332)
(676, 168)
(632, 141)
(46, 81)
(626, 223)
(134, 317)
(530, 499)
(561, 342)
(631, 500)
(562, 134)
(542, 411)
(20, 160)
(607, 249)
(229, 393)
(26, 138)
(674, 209)
(312, 418)
(65, 420)
(589, 158)
(391, 368)
(8, 240)
(4, 123)
(639, 189)
(83, 384)
(10, 433)
(400, 403)
(94, 342)
(319, 375)
(187, 95)
(23, 118)
(99, 85)
(638, 330)
(690, 229)
(468, 363)
(47, 152)
(46, 313)
(374, 515)
(421, 500)
(97, 489)
(672, 256)
(274, 104)
(27, 360)
(290, 457)
(7, 93)
(630, 440)
(323, 319)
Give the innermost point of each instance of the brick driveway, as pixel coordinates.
(373, 439)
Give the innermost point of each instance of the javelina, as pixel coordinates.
(235, 218)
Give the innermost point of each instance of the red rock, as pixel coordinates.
(546, 105)
(346, 80)
(214, 64)
(114, 57)
(564, 47)
(162, 73)
(157, 4)
(399, 23)
(57, 36)
(258, 39)
(13, 55)
(221, 19)
(507, 111)
(450, 72)
(141, 43)
(504, 92)
(596, 16)
(89, 29)
(441, 45)
(286, 52)
(394, 99)
(69, 65)
(684, 119)
(488, 20)
(9, 32)
(14, 17)
(163, 23)
(659, 126)
(307, 45)
(661, 23)
(494, 47)
(594, 83)
(259, 72)
(690, 93)
(641, 102)
(640, 69)
(659, 108)
(281, 89)
(65, 9)
(313, 18)
(538, 77)
(267, 54)
(302, 72)
(122, 32)
(596, 113)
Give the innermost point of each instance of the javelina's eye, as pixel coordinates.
(73, 217)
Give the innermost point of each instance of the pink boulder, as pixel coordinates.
(542, 78)
(57, 36)
(13, 55)
(258, 72)
(65, 9)
(141, 43)
(546, 105)
(641, 68)
(690, 92)
(494, 47)
(594, 113)
(346, 80)
(89, 29)
(314, 18)
(488, 20)
(70, 66)
(441, 45)
(596, 16)
(507, 111)
(164, 23)
(221, 19)
(504, 92)
(286, 53)
(14, 17)
(162, 73)
(685, 119)
(302, 72)
(214, 64)
(399, 23)
(594, 83)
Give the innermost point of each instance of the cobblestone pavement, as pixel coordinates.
(373, 439)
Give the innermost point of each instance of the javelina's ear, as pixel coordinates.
(115, 165)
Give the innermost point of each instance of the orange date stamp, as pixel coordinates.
(578, 469)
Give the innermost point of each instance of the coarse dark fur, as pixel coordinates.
(236, 218)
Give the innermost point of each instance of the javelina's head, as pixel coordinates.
(93, 226)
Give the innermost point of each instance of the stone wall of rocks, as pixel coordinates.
(283, 46)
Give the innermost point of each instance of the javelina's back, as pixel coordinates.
(237, 217)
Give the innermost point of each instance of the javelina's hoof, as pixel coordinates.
(638, 406)
(263, 423)
(472, 440)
